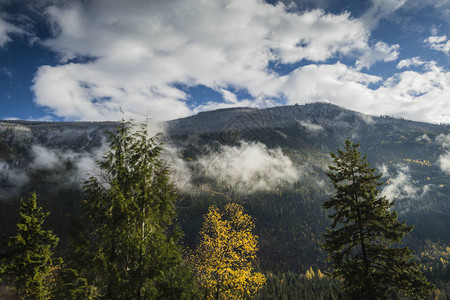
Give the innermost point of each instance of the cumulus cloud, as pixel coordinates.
(438, 42)
(419, 96)
(134, 57)
(261, 101)
(115, 54)
(379, 52)
(406, 63)
(249, 167)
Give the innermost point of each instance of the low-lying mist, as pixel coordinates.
(247, 167)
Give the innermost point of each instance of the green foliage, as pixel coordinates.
(363, 241)
(130, 246)
(31, 264)
(70, 285)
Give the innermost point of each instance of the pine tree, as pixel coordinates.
(224, 257)
(131, 236)
(31, 264)
(363, 243)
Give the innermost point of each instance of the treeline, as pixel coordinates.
(311, 285)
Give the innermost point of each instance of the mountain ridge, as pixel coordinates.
(272, 160)
(248, 118)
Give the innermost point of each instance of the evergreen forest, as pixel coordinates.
(116, 211)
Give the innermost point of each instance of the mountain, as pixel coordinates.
(271, 160)
(275, 117)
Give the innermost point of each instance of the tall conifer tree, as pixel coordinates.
(363, 243)
(132, 238)
(32, 253)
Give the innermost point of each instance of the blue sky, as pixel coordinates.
(92, 59)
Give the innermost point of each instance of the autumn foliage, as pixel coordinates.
(224, 257)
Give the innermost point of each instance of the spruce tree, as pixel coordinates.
(131, 245)
(31, 263)
(364, 241)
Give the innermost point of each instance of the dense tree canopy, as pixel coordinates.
(363, 243)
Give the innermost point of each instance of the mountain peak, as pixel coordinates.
(242, 118)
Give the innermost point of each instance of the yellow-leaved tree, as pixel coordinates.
(224, 257)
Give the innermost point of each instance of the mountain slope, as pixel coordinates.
(271, 160)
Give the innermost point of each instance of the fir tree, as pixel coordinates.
(31, 264)
(363, 243)
(131, 236)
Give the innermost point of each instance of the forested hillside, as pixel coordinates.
(273, 162)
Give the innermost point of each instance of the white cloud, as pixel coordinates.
(314, 128)
(384, 170)
(44, 158)
(379, 52)
(444, 159)
(249, 167)
(84, 163)
(418, 96)
(443, 140)
(135, 52)
(117, 55)
(261, 101)
(401, 186)
(438, 43)
(423, 138)
(316, 36)
(92, 93)
(444, 162)
(406, 63)
(181, 174)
